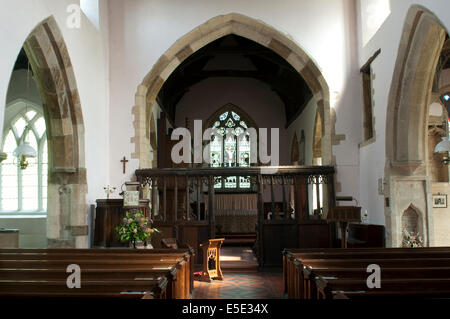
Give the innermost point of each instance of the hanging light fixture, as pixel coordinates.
(24, 150)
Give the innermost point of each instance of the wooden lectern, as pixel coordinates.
(211, 260)
(344, 215)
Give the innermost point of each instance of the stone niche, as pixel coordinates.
(412, 221)
(411, 204)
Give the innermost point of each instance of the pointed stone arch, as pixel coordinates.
(214, 29)
(67, 187)
(422, 39)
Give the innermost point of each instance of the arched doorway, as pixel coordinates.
(408, 180)
(50, 63)
(210, 31)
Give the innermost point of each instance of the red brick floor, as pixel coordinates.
(262, 285)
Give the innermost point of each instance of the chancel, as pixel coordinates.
(279, 147)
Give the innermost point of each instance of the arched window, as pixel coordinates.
(231, 147)
(24, 190)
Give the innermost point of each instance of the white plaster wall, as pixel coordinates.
(387, 38)
(85, 48)
(141, 31)
(304, 122)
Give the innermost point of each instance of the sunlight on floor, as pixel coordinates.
(230, 258)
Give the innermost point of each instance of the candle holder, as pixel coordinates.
(109, 190)
(365, 217)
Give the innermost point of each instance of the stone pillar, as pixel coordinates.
(67, 210)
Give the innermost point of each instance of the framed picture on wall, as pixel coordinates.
(440, 201)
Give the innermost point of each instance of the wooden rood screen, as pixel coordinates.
(284, 193)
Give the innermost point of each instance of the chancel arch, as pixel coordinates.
(407, 170)
(210, 31)
(52, 71)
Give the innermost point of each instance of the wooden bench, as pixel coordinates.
(179, 279)
(158, 274)
(311, 274)
(327, 288)
(300, 275)
(331, 264)
(188, 255)
(290, 254)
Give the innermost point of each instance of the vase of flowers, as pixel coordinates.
(136, 227)
(412, 240)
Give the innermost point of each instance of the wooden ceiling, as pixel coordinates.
(235, 56)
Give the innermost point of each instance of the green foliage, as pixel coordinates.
(135, 227)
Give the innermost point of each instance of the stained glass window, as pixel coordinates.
(233, 150)
(24, 190)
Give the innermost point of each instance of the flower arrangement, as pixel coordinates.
(412, 240)
(135, 227)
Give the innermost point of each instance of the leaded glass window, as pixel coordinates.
(232, 150)
(24, 190)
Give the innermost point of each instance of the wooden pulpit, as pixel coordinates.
(344, 215)
(109, 214)
(211, 260)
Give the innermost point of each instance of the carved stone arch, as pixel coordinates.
(67, 187)
(418, 54)
(295, 158)
(214, 29)
(422, 39)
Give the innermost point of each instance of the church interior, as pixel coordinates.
(224, 149)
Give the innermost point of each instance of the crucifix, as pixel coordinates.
(124, 161)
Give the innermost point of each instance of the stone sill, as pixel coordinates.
(23, 215)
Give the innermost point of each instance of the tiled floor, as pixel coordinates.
(261, 285)
(241, 279)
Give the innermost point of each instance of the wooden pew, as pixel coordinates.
(188, 254)
(360, 263)
(311, 274)
(290, 254)
(296, 279)
(110, 265)
(89, 288)
(420, 287)
(174, 289)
